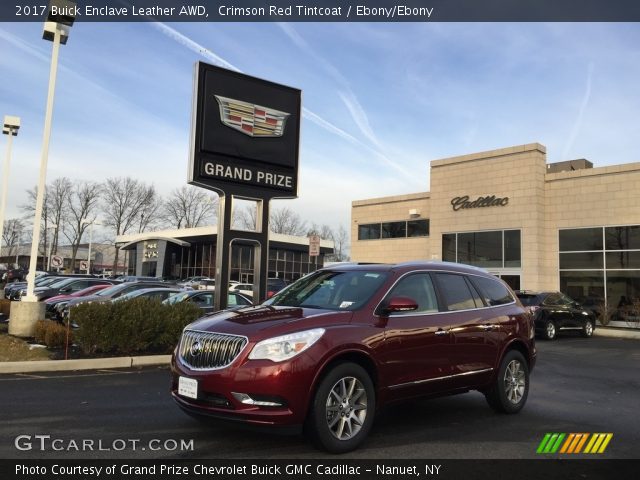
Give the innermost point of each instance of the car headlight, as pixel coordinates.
(285, 347)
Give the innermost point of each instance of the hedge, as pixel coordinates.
(131, 327)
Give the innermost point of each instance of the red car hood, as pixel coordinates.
(262, 321)
(57, 298)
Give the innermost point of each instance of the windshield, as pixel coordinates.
(61, 283)
(331, 290)
(111, 290)
(176, 298)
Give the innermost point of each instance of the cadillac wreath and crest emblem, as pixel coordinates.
(250, 119)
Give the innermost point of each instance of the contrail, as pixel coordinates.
(583, 107)
(306, 113)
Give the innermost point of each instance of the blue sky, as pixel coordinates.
(381, 100)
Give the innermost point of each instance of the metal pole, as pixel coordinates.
(89, 256)
(31, 277)
(50, 252)
(5, 183)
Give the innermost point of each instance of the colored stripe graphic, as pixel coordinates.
(574, 442)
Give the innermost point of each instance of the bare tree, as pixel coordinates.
(82, 206)
(11, 235)
(127, 204)
(58, 193)
(286, 221)
(189, 207)
(341, 244)
(245, 218)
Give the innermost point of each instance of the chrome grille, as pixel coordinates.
(209, 350)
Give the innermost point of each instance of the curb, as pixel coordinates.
(82, 364)
(616, 333)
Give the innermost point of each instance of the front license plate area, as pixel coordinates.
(188, 387)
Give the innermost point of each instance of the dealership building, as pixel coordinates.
(561, 226)
(189, 252)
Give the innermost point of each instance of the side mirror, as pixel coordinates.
(400, 304)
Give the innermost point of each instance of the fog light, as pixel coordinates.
(248, 400)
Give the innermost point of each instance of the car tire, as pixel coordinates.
(342, 409)
(587, 329)
(510, 389)
(550, 330)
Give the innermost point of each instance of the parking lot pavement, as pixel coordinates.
(579, 385)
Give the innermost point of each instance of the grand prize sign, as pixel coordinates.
(245, 135)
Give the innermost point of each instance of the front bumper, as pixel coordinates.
(286, 384)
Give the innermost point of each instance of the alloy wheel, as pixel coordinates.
(551, 330)
(346, 408)
(514, 382)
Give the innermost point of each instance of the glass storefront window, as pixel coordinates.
(493, 249)
(512, 249)
(394, 230)
(482, 249)
(584, 287)
(623, 293)
(582, 261)
(369, 232)
(449, 247)
(580, 239)
(620, 260)
(622, 238)
(418, 228)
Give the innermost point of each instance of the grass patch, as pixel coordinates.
(13, 349)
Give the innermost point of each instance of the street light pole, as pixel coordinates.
(57, 30)
(10, 128)
(54, 226)
(91, 224)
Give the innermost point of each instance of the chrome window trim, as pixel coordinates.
(438, 312)
(446, 377)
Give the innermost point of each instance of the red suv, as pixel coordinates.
(334, 347)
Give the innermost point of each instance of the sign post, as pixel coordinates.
(244, 145)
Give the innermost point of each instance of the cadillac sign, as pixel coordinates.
(244, 135)
(252, 120)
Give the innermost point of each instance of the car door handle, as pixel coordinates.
(487, 327)
(441, 332)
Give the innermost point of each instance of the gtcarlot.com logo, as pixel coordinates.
(573, 443)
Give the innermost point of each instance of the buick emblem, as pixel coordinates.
(250, 119)
(196, 349)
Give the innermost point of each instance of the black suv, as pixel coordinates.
(555, 311)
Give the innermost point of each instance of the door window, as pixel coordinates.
(419, 288)
(456, 293)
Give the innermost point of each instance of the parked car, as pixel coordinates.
(11, 290)
(65, 286)
(274, 285)
(15, 275)
(207, 284)
(153, 293)
(54, 306)
(192, 282)
(205, 299)
(243, 288)
(133, 278)
(339, 344)
(555, 311)
(111, 293)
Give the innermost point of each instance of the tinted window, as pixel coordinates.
(494, 292)
(449, 247)
(552, 299)
(483, 249)
(622, 238)
(418, 228)
(369, 232)
(456, 292)
(586, 260)
(419, 288)
(578, 239)
(512, 250)
(528, 300)
(394, 230)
